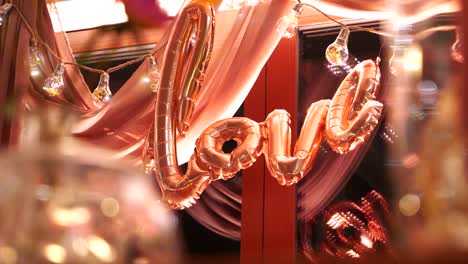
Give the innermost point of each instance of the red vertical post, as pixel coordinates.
(253, 183)
(279, 236)
(462, 85)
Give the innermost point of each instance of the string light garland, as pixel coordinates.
(289, 24)
(154, 76)
(53, 85)
(102, 93)
(337, 53)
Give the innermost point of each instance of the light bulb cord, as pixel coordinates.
(35, 35)
(87, 68)
(418, 36)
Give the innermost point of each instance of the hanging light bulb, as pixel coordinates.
(457, 48)
(4, 11)
(337, 53)
(396, 61)
(53, 85)
(289, 24)
(154, 75)
(34, 58)
(102, 93)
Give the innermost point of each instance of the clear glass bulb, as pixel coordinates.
(4, 11)
(154, 75)
(396, 61)
(53, 85)
(102, 93)
(34, 58)
(457, 48)
(337, 53)
(289, 24)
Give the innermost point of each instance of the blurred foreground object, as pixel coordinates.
(353, 230)
(64, 202)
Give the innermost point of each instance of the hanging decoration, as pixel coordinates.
(337, 53)
(353, 112)
(250, 41)
(53, 85)
(154, 75)
(34, 58)
(325, 120)
(195, 18)
(289, 24)
(102, 93)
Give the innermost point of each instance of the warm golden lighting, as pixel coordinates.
(413, 58)
(366, 241)
(8, 255)
(80, 247)
(102, 93)
(101, 249)
(110, 207)
(227, 5)
(55, 253)
(84, 14)
(337, 53)
(171, 7)
(409, 204)
(336, 221)
(352, 253)
(53, 85)
(70, 216)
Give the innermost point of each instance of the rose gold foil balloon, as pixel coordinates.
(272, 138)
(222, 165)
(183, 70)
(286, 168)
(353, 113)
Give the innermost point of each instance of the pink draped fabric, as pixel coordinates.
(249, 34)
(244, 39)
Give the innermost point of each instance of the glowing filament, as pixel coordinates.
(337, 53)
(53, 85)
(102, 93)
(289, 24)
